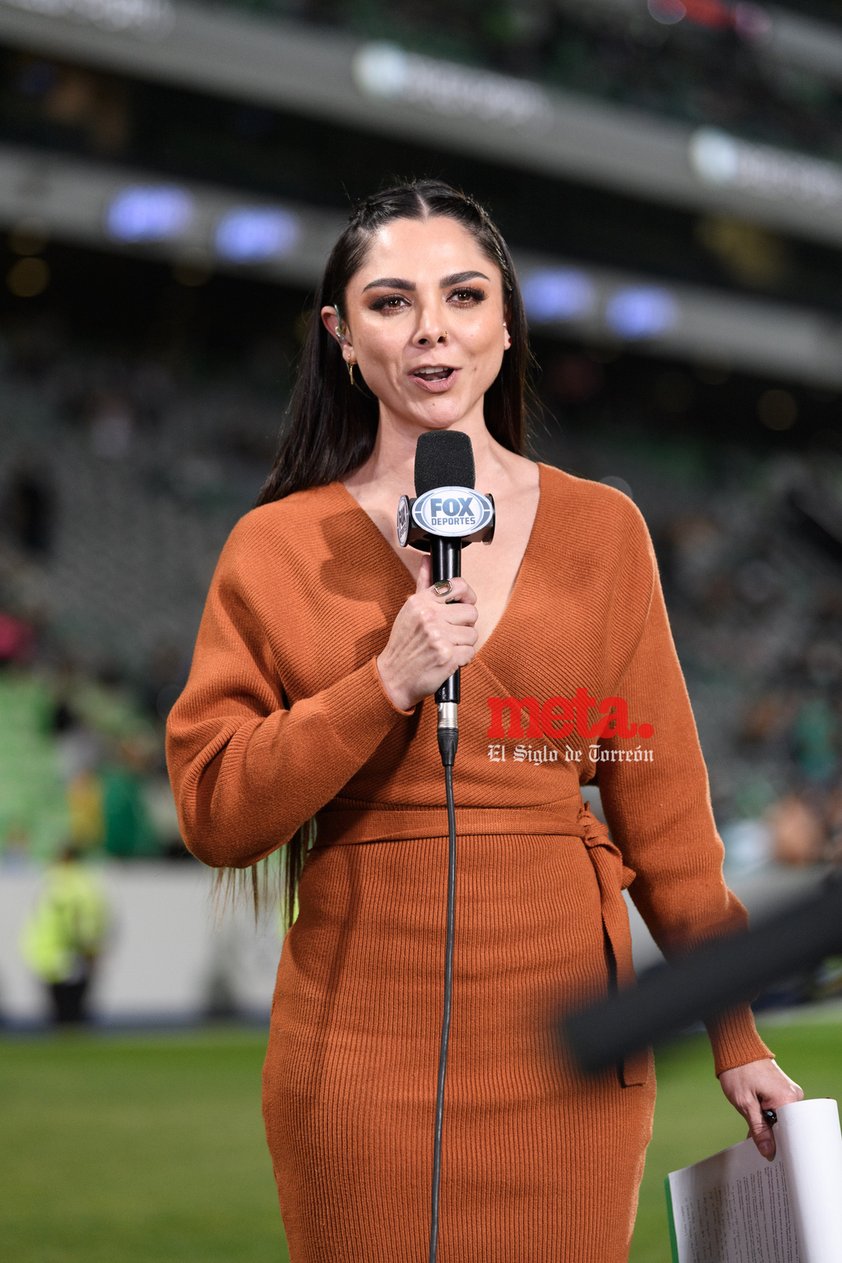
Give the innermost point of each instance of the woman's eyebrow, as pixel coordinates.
(396, 282)
(389, 282)
(458, 278)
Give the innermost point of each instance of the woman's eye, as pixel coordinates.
(389, 303)
(467, 296)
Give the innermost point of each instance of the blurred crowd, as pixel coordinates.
(757, 604)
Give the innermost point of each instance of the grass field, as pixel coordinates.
(150, 1148)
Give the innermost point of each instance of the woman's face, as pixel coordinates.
(424, 319)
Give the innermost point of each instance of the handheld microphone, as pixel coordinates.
(446, 515)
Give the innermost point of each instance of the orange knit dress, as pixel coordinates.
(283, 719)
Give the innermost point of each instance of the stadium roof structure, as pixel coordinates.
(390, 90)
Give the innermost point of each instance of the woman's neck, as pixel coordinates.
(391, 465)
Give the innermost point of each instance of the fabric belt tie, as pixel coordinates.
(614, 877)
(346, 823)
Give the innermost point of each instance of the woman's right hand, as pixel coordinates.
(431, 636)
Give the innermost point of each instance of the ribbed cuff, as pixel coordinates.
(359, 709)
(735, 1041)
(382, 688)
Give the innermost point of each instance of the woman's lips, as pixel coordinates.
(439, 384)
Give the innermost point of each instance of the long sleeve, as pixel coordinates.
(247, 767)
(659, 812)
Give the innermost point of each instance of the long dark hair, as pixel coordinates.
(332, 426)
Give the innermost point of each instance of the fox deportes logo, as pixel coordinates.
(456, 511)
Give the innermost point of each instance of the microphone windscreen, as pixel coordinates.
(443, 458)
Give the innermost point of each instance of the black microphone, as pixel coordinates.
(446, 515)
(709, 980)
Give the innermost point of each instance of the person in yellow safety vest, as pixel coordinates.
(65, 934)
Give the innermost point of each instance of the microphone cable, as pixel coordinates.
(447, 740)
(446, 515)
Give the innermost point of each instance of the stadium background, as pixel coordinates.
(171, 175)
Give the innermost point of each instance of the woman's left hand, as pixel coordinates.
(755, 1087)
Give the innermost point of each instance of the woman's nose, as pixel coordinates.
(430, 330)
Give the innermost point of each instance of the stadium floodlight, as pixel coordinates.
(558, 294)
(149, 212)
(253, 234)
(641, 311)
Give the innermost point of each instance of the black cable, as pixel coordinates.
(447, 747)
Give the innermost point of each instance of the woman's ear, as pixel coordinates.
(336, 326)
(507, 315)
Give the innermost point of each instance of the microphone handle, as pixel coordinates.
(446, 557)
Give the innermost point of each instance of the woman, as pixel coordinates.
(310, 697)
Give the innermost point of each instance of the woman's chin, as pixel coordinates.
(444, 412)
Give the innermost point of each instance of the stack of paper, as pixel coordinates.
(736, 1207)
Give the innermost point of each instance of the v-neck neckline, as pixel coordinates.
(519, 579)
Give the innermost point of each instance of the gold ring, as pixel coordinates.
(443, 588)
